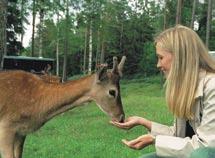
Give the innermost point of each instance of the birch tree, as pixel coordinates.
(22, 17)
(90, 49)
(193, 14)
(33, 27)
(41, 17)
(85, 50)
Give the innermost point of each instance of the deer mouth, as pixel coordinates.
(120, 119)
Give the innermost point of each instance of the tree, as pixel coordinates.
(85, 50)
(3, 21)
(90, 49)
(23, 16)
(33, 27)
(178, 13)
(193, 14)
(66, 43)
(209, 13)
(13, 28)
(41, 14)
(57, 47)
(164, 16)
(54, 8)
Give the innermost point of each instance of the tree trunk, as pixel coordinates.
(121, 36)
(22, 19)
(64, 78)
(41, 28)
(90, 49)
(178, 14)
(33, 27)
(85, 50)
(208, 22)
(164, 16)
(57, 47)
(98, 48)
(3, 35)
(102, 58)
(193, 15)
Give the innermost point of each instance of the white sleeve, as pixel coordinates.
(170, 146)
(160, 129)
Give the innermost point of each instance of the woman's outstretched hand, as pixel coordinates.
(129, 122)
(139, 142)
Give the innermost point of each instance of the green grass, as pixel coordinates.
(85, 132)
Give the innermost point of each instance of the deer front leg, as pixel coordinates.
(18, 145)
(7, 143)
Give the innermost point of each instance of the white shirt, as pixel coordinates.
(171, 141)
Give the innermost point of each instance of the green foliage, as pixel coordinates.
(148, 60)
(13, 28)
(187, 12)
(171, 7)
(85, 132)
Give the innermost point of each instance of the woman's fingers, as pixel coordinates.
(131, 142)
(139, 145)
(134, 144)
(128, 123)
(139, 142)
(124, 125)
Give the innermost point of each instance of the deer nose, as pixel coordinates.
(121, 118)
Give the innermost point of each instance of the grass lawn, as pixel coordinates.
(85, 132)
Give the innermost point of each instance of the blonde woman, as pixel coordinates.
(190, 96)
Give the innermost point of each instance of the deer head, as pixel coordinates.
(106, 91)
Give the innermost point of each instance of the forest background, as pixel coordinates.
(80, 34)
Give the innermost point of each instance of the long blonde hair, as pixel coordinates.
(190, 55)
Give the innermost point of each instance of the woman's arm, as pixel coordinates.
(133, 121)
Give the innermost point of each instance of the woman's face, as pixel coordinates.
(164, 60)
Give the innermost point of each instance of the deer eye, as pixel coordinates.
(112, 93)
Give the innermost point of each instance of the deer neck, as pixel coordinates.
(68, 95)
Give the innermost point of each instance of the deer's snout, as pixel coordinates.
(122, 118)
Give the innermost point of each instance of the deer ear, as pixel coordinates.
(101, 74)
(121, 64)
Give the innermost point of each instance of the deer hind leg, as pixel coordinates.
(7, 143)
(18, 145)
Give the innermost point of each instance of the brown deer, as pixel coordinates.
(50, 78)
(27, 102)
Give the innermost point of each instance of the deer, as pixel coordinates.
(27, 102)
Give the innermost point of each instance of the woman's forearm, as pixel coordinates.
(146, 123)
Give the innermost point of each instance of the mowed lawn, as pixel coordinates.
(85, 132)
